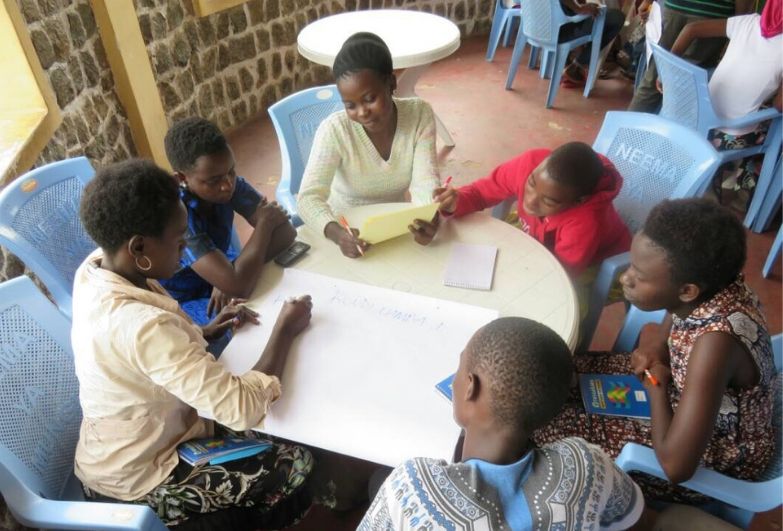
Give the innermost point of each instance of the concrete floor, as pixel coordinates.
(489, 126)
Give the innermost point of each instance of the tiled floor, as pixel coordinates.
(490, 125)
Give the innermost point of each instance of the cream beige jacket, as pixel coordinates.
(143, 372)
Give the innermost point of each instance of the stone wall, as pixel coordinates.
(231, 65)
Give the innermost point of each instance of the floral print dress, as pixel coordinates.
(742, 443)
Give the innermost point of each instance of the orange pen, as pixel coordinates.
(653, 379)
(344, 223)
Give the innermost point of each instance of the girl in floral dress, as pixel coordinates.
(712, 356)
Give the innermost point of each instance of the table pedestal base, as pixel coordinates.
(406, 88)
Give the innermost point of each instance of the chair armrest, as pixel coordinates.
(48, 514)
(287, 200)
(749, 495)
(750, 119)
(598, 295)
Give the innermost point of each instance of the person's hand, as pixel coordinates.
(271, 214)
(349, 243)
(588, 9)
(424, 231)
(447, 197)
(295, 315)
(658, 86)
(231, 317)
(662, 374)
(217, 301)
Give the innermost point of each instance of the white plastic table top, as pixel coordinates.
(529, 281)
(414, 38)
(320, 407)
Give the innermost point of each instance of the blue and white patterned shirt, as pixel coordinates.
(566, 485)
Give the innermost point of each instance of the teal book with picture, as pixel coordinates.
(217, 450)
(618, 395)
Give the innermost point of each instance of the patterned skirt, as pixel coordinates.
(270, 490)
(611, 433)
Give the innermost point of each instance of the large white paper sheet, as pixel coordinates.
(360, 380)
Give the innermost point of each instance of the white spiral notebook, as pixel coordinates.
(471, 266)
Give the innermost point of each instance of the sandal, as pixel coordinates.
(574, 76)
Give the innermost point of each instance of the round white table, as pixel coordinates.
(528, 282)
(369, 390)
(415, 40)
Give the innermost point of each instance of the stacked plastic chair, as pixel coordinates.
(686, 100)
(39, 223)
(39, 405)
(540, 27)
(296, 119)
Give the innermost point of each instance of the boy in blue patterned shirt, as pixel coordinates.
(213, 271)
(513, 377)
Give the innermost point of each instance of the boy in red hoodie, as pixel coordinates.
(564, 201)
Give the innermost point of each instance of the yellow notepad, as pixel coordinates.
(382, 227)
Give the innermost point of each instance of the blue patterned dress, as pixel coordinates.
(566, 485)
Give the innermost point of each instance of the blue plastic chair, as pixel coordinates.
(686, 100)
(658, 159)
(540, 27)
(296, 119)
(774, 253)
(737, 499)
(39, 405)
(502, 22)
(39, 223)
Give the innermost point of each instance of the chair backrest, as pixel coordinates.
(39, 223)
(686, 95)
(658, 160)
(635, 319)
(39, 394)
(541, 21)
(296, 119)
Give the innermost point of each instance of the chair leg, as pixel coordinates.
(508, 27)
(554, 84)
(767, 174)
(774, 253)
(498, 23)
(533, 61)
(771, 202)
(516, 57)
(595, 51)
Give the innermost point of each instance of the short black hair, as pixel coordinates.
(363, 51)
(577, 166)
(527, 368)
(703, 241)
(189, 139)
(129, 198)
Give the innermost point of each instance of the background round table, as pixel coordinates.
(415, 39)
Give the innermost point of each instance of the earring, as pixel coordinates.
(143, 268)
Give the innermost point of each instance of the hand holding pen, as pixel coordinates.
(350, 245)
(446, 196)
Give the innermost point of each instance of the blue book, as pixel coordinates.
(444, 387)
(620, 395)
(217, 450)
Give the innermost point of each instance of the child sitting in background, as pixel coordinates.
(513, 377)
(212, 271)
(749, 75)
(564, 200)
(712, 357)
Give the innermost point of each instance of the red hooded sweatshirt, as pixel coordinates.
(579, 236)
